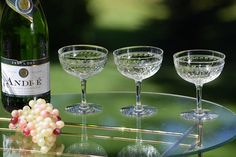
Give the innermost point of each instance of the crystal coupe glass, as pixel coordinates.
(138, 63)
(199, 66)
(83, 61)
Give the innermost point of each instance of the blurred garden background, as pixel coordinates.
(172, 25)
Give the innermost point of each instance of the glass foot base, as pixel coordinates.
(204, 115)
(131, 111)
(78, 109)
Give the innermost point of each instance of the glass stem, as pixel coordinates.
(199, 98)
(83, 95)
(138, 106)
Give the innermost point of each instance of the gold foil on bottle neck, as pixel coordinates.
(24, 4)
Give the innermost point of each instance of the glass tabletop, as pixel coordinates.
(110, 132)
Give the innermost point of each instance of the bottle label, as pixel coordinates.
(24, 78)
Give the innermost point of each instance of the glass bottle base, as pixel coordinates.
(79, 109)
(133, 112)
(205, 115)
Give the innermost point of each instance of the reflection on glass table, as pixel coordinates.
(166, 131)
(85, 146)
(139, 148)
(16, 145)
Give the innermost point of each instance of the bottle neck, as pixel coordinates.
(23, 7)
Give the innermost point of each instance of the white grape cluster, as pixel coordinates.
(39, 120)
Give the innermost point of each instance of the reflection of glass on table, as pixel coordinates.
(139, 149)
(85, 147)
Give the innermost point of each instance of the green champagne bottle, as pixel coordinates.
(24, 54)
